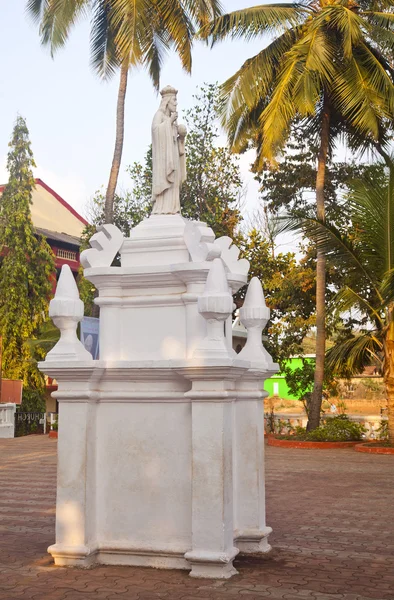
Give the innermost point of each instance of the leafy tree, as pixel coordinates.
(289, 286)
(213, 190)
(27, 268)
(290, 184)
(366, 251)
(327, 67)
(125, 35)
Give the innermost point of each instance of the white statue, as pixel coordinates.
(168, 155)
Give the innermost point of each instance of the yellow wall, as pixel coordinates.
(47, 212)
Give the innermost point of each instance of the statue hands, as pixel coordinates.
(174, 117)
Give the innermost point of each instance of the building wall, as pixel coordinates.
(48, 212)
(277, 386)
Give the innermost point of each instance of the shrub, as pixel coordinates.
(383, 431)
(333, 429)
(337, 429)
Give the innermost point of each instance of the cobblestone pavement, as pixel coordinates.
(332, 513)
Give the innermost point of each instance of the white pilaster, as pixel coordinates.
(250, 529)
(76, 543)
(213, 551)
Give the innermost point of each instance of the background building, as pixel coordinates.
(59, 223)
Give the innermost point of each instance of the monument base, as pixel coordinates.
(253, 541)
(73, 556)
(214, 565)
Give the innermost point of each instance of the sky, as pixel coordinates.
(70, 112)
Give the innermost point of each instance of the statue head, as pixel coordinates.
(169, 98)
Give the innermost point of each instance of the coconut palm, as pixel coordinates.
(125, 34)
(366, 253)
(328, 66)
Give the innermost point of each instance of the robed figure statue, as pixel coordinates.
(168, 155)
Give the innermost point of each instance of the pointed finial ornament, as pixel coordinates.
(215, 305)
(66, 310)
(254, 315)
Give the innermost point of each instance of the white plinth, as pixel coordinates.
(160, 454)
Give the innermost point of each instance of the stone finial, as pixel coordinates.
(66, 310)
(105, 244)
(215, 305)
(229, 253)
(199, 241)
(254, 315)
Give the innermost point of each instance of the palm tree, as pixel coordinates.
(328, 67)
(125, 34)
(366, 252)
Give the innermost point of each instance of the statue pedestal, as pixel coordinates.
(161, 447)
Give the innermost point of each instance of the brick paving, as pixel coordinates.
(332, 513)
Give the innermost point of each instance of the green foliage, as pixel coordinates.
(213, 190)
(33, 400)
(27, 268)
(322, 54)
(363, 252)
(333, 429)
(290, 183)
(383, 431)
(289, 286)
(326, 68)
(134, 34)
(337, 429)
(300, 382)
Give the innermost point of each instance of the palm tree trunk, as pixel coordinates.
(317, 394)
(117, 158)
(388, 373)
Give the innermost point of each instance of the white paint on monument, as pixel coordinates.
(66, 311)
(161, 441)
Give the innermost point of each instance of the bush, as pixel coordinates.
(383, 431)
(333, 429)
(337, 429)
(33, 400)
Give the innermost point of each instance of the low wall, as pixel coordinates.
(7, 420)
(284, 421)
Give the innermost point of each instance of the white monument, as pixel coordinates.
(161, 441)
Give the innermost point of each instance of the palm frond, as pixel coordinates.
(203, 11)
(255, 21)
(298, 87)
(387, 288)
(57, 17)
(354, 354)
(359, 101)
(130, 20)
(383, 19)
(348, 298)
(104, 58)
(347, 23)
(333, 243)
(154, 55)
(372, 208)
(36, 9)
(241, 94)
(172, 17)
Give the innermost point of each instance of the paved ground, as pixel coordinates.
(332, 514)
